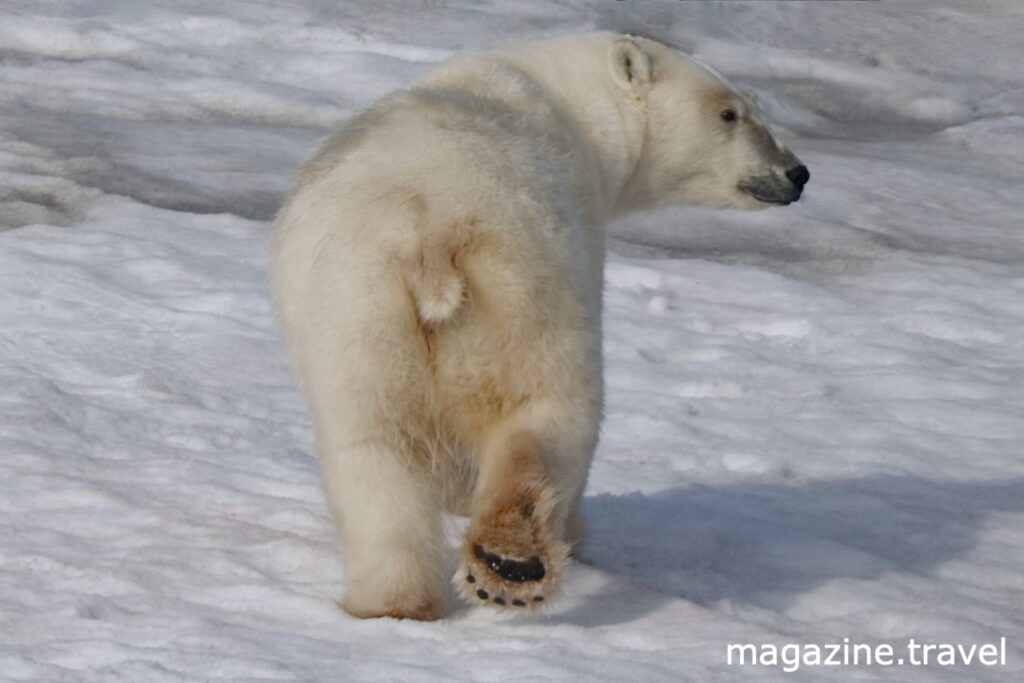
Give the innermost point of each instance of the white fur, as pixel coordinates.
(438, 272)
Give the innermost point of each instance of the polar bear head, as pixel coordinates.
(704, 142)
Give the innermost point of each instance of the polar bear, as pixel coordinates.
(437, 270)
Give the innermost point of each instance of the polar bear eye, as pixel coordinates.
(728, 115)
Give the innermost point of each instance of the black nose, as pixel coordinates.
(798, 175)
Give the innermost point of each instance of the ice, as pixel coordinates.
(814, 417)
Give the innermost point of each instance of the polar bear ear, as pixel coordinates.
(630, 66)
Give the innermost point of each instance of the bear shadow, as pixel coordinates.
(766, 544)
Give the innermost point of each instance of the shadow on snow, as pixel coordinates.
(765, 544)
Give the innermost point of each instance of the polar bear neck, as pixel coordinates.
(573, 72)
(566, 78)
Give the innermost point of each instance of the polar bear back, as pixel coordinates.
(446, 230)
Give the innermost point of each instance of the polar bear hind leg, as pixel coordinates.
(364, 383)
(523, 523)
(391, 532)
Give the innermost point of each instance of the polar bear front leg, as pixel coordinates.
(389, 523)
(518, 540)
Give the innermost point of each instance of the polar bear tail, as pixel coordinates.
(439, 288)
(437, 285)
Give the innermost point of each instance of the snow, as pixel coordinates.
(815, 414)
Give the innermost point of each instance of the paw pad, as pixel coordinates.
(500, 600)
(510, 570)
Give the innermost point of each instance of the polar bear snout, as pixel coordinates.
(777, 188)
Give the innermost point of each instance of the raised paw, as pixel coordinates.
(512, 558)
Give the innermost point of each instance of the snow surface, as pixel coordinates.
(815, 414)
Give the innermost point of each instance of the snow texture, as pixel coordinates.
(815, 414)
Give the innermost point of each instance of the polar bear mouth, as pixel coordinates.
(769, 192)
(771, 200)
